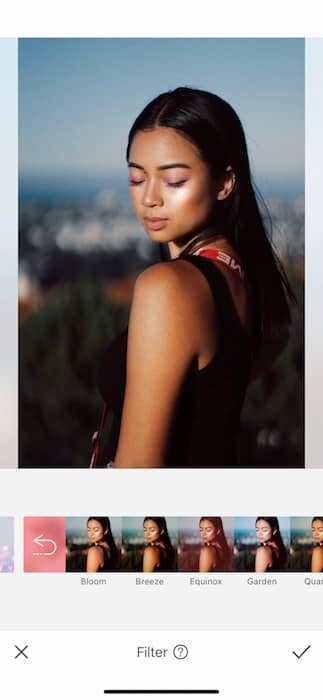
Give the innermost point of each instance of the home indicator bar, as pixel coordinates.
(162, 692)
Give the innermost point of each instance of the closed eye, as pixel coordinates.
(135, 182)
(176, 184)
(179, 183)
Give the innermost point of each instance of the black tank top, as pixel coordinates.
(278, 560)
(222, 560)
(207, 418)
(106, 566)
(165, 557)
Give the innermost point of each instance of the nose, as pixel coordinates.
(152, 195)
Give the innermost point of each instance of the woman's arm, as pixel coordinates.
(264, 559)
(151, 559)
(207, 559)
(317, 560)
(94, 559)
(162, 342)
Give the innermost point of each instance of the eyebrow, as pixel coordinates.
(131, 164)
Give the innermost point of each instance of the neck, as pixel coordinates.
(206, 238)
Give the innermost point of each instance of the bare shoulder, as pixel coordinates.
(167, 276)
(94, 555)
(207, 559)
(151, 558)
(263, 558)
(163, 284)
(171, 301)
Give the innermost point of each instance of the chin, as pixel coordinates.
(158, 236)
(165, 235)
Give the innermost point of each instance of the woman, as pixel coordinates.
(272, 554)
(215, 555)
(214, 312)
(317, 554)
(159, 554)
(102, 554)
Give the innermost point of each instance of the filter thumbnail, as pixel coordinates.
(149, 544)
(306, 552)
(6, 545)
(93, 543)
(205, 544)
(262, 543)
(44, 544)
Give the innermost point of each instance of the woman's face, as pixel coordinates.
(95, 531)
(151, 531)
(263, 531)
(317, 530)
(208, 531)
(172, 190)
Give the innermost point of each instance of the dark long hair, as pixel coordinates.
(164, 537)
(276, 538)
(214, 128)
(108, 538)
(221, 540)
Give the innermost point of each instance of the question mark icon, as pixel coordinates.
(180, 651)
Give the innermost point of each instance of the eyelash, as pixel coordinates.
(169, 184)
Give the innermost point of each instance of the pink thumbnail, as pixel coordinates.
(44, 544)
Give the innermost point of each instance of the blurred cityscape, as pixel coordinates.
(81, 249)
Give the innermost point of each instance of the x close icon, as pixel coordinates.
(21, 652)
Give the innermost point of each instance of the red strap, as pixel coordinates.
(97, 440)
(225, 258)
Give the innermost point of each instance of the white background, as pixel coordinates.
(246, 666)
(59, 602)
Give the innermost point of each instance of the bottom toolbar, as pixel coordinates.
(232, 665)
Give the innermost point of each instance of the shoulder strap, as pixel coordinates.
(96, 438)
(224, 258)
(228, 316)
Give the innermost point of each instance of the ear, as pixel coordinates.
(226, 184)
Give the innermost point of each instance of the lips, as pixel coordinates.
(155, 223)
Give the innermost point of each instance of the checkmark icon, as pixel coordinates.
(299, 656)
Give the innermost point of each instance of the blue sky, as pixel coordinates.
(302, 523)
(249, 523)
(79, 524)
(79, 97)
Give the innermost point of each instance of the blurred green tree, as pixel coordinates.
(272, 431)
(60, 346)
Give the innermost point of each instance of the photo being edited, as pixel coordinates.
(262, 544)
(161, 295)
(93, 544)
(205, 544)
(149, 544)
(307, 544)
